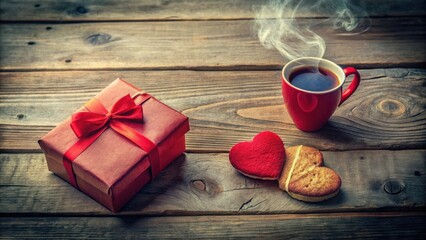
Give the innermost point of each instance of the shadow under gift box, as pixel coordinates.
(113, 169)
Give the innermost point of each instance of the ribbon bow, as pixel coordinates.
(86, 123)
(88, 126)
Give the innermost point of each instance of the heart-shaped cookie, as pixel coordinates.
(304, 178)
(263, 158)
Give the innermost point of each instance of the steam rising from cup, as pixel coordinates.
(281, 25)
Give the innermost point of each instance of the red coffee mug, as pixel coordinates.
(310, 110)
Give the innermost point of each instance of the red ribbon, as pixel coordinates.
(88, 126)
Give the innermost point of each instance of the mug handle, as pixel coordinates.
(354, 84)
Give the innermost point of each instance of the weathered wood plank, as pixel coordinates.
(192, 186)
(324, 226)
(196, 45)
(133, 10)
(225, 107)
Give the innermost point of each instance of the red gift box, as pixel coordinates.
(111, 167)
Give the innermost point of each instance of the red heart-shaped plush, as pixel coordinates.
(262, 158)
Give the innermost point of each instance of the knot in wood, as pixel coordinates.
(391, 107)
(99, 39)
(20, 116)
(80, 10)
(393, 187)
(200, 185)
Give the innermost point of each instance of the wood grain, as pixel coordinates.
(198, 184)
(324, 226)
(202, 58)
(224, 107)
(149, 10)
(217, 45)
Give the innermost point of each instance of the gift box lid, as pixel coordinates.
(111, 156)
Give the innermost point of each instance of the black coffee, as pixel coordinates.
(314, 79)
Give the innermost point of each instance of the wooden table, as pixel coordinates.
(203, 59)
